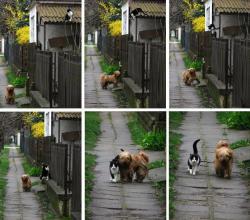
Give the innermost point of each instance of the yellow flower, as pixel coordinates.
(199, 24)
(37, 130)
(115, 28)
(23, 35)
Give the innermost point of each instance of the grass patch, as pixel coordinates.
(189, 63)
(175, 119)
(108, 68)
(136, 129)
(4, 167)
(92, 129)
(20, 95)
(156, 164)
(31, 169)
(235, 120)
(240, 143)
(153, 140)
(16, 81)
(92, 132)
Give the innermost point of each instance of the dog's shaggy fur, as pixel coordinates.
(109, 79)
(131, 164)
(189, 76)
(26, 182)
(223, 159)
(10, 94)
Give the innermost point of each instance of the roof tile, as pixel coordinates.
(56, 13)
(232, 6)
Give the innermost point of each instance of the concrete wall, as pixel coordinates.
(208, 13)
(47, 124)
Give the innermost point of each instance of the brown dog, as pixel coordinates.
(131, 164)
(10, 94)
(26, 183)
(189, 76)
(223, 159)
(109, 79)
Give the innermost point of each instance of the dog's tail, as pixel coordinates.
(195, 146)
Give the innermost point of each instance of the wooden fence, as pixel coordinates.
(43, 74)
(76, 180)
(65, 167)
(69, 80)
(157, 76)
(241, 77)
(136, 62)
(219, 59)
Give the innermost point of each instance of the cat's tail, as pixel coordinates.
(195, 146)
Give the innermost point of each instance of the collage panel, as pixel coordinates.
(209, 54)
(40, 56)
(209, 166)
(40, 165)
(125, 165)
(125, 54)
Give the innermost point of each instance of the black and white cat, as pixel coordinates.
(114, 170)
(194, 160)
(45, 172)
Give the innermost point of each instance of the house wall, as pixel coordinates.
(32, 24)
(125, 18)
(208, 14)
(221, 20)
(47, 124)
(145, 24)
(18, 139)
(53, 31)
(65, 126)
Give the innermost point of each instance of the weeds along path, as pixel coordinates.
(19, 205)
(206, 196)
(116, 200)
(95, 96)
(181, 96)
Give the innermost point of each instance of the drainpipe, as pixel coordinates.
(219, 25)
(135, 29)
(44, 37)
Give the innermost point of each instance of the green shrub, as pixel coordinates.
(35, 171)
(156, 164)
(154, 141)
(240, 143)
(236, 120)
(108, 68)
(196, 64)
(17, 81)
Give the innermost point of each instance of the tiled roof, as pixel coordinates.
(68, 115)
(151, 8)
(232, 6)
(55, 13)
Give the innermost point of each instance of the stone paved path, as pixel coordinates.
(206, 196)
(95, 96)
(19, 205)
(181, 96)
(115, 200)
(3, 84)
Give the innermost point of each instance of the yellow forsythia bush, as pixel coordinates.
(115, 28)
(199, 24)
(22, 35)
(37, 129)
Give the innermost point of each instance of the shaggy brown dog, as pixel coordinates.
(109, 79)
(26, 183)
(189, 76)
(10, 94)
(223, 159)
(131, 164)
